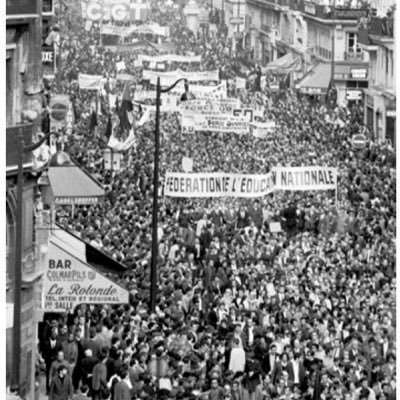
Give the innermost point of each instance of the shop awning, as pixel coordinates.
(71, 185)
(316, 81)
(88, 253)
(289, 62)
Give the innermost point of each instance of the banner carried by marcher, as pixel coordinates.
(261, 130)
(170, 77)
(306, 178)
(199, 91)
(169, 58)
(214, 122)
(125, 77)
(89, 82)
(208, 106)
(116, 30)
(217, 184)
(220, 184)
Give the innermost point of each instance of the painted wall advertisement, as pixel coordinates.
(69, 281)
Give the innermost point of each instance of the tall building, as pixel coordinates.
(23, 123)
(376, 37)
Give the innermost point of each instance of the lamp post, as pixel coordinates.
(154, 247)
(22, 149)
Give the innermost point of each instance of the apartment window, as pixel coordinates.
(352, 43)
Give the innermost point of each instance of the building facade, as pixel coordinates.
(311, 31)
(23, 123)
(376, 36)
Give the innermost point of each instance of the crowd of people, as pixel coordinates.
(243, 312)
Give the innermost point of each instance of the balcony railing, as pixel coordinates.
(12, 144)
(353, 55)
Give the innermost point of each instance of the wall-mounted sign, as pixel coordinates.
(76, 200)
(358, 73)
(309, 8)
(353, 94)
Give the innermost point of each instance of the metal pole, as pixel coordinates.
(333, 42)
(154, 248)
(15, 378)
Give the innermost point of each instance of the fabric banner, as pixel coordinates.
(125, 77)
(220, 184)
(199, 91)
(263, 129)
(169, 58)
(217, 184)
(116, 30)
(208, 106)
(116, 145)
(120, 65)
(170, 77)
(69, 281)
(306, 178)
(214, 122)
(240, 83)
(89, 82)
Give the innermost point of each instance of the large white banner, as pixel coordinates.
(170, 77)
(217, 184)
(306, 178)
(169, 58)
(199, 91)
(214, 122)
(69, 281)
(220, 184)
(89, 82)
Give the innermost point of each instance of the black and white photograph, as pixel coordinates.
(200, 200)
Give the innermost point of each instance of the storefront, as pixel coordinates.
(350, 80)
(380, 113)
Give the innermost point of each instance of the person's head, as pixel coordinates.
(214, 383)
(84, 388)
(60, 355)
(62, 371)
(272, 348)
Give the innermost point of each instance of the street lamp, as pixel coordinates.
(154, 249)
(22, 149)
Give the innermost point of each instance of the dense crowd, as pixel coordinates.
(242, 313)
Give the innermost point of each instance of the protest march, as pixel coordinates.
(276, 256)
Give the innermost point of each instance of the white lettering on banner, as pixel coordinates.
(169, 58)
(89, 82)
(170, 77)
(306, 178)
(69, 282)
(214, 122)
(207, 106)
(199, 91)
(217, 185)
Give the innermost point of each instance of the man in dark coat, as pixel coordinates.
(61, 386)
(50, 349)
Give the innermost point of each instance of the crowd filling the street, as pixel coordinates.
(289, 295)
